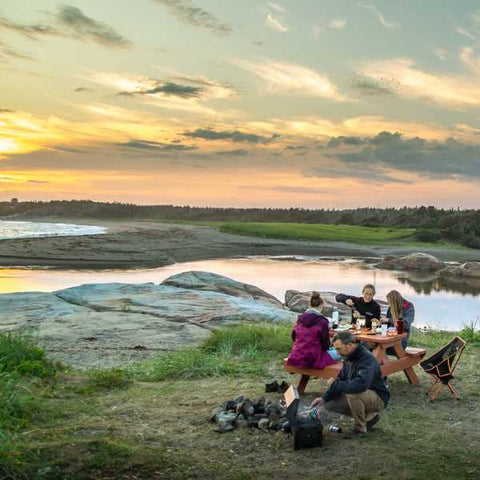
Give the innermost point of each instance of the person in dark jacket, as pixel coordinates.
(398, 307)
(359, 390)
(362, 306)
(311, 337)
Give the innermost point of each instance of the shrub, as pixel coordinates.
(20, 354)
(428, 235)
(471, 333)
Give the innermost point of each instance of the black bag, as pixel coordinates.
(307, 432)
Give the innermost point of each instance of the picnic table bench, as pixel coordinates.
(405, 360)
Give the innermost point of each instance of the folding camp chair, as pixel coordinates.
(441, 366)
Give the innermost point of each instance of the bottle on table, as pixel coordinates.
(400, 325)
(335, 317)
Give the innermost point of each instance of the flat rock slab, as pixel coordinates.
(98, 325)
(206, 281)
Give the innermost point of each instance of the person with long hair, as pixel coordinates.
(399, 307)
(311, 337)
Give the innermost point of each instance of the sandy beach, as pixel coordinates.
(130, 244)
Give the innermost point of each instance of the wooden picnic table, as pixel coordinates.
(403, 360)
(388, 364)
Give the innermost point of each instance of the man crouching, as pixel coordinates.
(359, 390)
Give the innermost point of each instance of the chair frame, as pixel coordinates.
(434, 371)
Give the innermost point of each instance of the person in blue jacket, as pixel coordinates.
(398, 307)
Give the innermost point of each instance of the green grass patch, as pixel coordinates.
(20, 354)
(319, 232)
(15, 403)
(193, 363)
(108, 379)
(434, 339)
(242, 350)
(160, 430)
(241, 339)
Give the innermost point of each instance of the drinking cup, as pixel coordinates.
(384, 328)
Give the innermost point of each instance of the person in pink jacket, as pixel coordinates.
(311, 338)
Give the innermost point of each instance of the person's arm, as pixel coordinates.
(389, 318)
(342, 298)
(350, 301)
(360, 383)
(332, 391)
(377, 313)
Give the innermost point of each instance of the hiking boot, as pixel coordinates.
(283, 387)
(272, 387)
(371, 423)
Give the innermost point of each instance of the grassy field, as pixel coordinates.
(149, 421)
(319, 232)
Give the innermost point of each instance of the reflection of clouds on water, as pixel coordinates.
(437, 305)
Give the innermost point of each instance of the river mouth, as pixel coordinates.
(439, 304)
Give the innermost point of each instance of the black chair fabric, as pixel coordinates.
(441, 362)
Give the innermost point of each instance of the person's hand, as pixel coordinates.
(383, 319)
(318, 402)
(349, 302)
(356, 314)
(329, 382)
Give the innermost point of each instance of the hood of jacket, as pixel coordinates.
(310, 318)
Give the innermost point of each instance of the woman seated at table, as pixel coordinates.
(398, 307)
(362, 306)
(311, 337)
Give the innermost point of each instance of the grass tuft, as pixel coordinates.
(241, 350)
(249, 340)
(108, 379)
(20, 354)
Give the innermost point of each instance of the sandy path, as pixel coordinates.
(131, 244)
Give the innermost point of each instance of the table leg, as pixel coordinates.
(302, 384)
(409, 372)
(380, 354)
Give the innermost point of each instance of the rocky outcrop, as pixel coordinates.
(206, 281)
(298, 302)
(110, 324)
(469, 270)
(414, 261)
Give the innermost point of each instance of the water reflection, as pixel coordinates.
(438, 303)
(432, 283)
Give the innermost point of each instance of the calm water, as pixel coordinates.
(14, 229)
(437, 305)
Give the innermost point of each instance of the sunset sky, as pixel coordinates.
(303, 103)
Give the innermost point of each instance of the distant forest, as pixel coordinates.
(432, 224)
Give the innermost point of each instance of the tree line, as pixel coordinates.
(432, 224)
